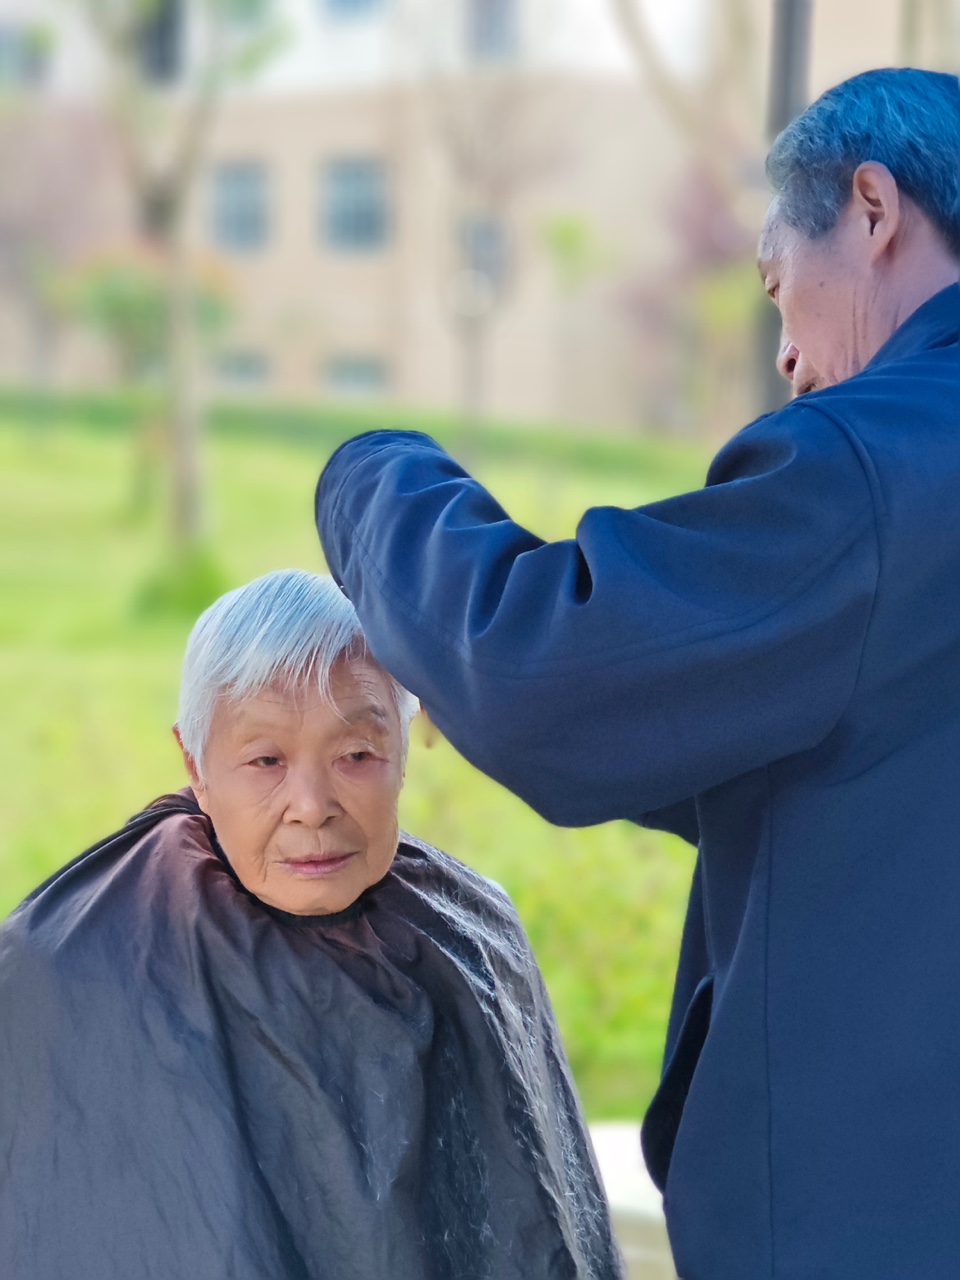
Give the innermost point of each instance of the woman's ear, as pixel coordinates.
(190, 764)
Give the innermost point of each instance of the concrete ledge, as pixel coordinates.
(635, 1202)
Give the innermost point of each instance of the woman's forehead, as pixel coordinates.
(357, 693)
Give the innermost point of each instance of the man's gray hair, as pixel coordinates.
(286, 628)
(905, 119)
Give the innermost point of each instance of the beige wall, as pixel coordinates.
(607, 159)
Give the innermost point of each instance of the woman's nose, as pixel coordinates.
(311, 797)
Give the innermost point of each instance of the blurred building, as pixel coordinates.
(456, 203)
(376, 268)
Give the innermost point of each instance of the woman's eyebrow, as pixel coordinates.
(369, 711)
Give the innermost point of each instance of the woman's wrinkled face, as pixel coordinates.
(302, 792)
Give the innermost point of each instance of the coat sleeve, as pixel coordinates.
(664, 650)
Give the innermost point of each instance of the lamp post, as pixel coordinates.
(787, 97)
(789, 62)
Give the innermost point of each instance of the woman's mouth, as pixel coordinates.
(318, 866)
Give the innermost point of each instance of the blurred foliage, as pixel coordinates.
(186, 581)
(124, 294)
(658, 464)
(89, 685)
(25, 59)
(574, 250)
(726, 298)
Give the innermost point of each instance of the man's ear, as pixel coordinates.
(190, 764)
(877, 204)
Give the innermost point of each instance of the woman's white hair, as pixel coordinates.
(287, 628)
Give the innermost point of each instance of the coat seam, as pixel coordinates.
(862, 455)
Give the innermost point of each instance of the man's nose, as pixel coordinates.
(311, 796)
(787, 361)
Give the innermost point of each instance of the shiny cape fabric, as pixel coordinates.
(196, 1085)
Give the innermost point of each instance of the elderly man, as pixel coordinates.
(771, 667)
(258, 1035)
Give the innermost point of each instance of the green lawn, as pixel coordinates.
(89, 688)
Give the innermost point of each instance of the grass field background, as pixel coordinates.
(89, 681)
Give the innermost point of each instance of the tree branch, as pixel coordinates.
(678, 104)
(703, 117)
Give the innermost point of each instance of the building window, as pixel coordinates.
(24, 56)
(493, 30)
(485, 248)
(357, 377)
(351, 8)
(240, 212)
(243, 368)
(354, 213)
(160, 42)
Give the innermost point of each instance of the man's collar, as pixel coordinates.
(934, 324)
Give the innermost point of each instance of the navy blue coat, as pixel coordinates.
(771, 666)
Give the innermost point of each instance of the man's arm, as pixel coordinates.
(664, 650)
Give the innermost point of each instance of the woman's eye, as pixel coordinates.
(266, 762)
(358, 757)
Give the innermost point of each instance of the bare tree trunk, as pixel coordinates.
(149, 446)
(41, 344)
(717, 113)
(473, 332)
(674, 98)
(187, 513)
(41, 335)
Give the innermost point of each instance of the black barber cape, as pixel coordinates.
(194, 1086)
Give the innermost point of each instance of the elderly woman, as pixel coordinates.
(258, 1034)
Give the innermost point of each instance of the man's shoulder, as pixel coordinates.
(918, 378)
(803, 429)
(901, 418)
(887, 404)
